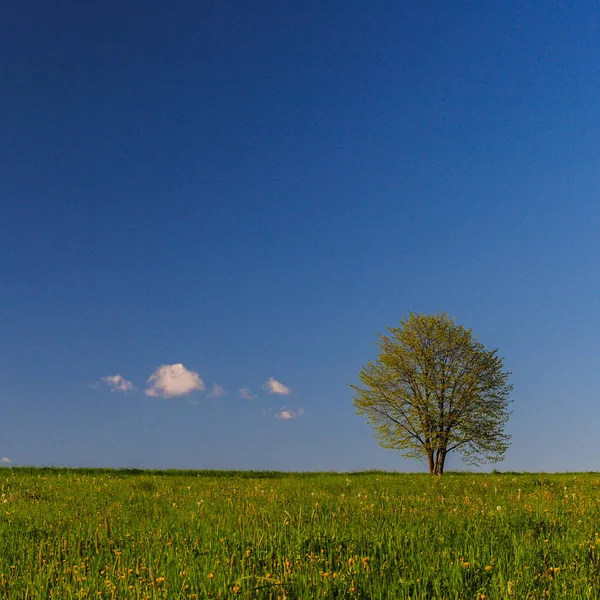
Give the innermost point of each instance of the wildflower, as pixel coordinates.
(488, 568)
(211, 575)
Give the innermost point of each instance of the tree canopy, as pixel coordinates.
(435, 389)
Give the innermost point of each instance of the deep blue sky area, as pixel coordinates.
(244, 194)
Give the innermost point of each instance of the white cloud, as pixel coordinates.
(4, 460)
(116, 383)
(276, 387)
(246, 394)
(285, 414)
(173, 380)
(217, 391)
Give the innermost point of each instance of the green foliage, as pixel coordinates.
(72, 534)
(435, 389)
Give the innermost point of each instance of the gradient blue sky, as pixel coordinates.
(256, 189)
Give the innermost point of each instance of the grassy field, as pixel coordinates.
(120, 534)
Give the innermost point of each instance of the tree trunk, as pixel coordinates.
(431, 462)
(437, 460)
(440, 459)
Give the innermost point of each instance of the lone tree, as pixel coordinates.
(434, 389)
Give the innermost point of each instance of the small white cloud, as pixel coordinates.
(285, 414)
(116, 383)
(246, 394)
(276, 387)
(217, 391)
(173, 380)
(4, 460)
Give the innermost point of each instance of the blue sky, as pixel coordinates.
(254, 190)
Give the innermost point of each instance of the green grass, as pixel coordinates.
(88, 533)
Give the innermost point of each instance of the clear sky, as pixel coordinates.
(244, 194)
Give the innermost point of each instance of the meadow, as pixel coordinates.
(127, 534)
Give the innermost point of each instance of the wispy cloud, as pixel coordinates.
(286, 413)
(174, 380)
(217, 391)
(246, 394)
(116, 383)
(4, 460)
(276, 387)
